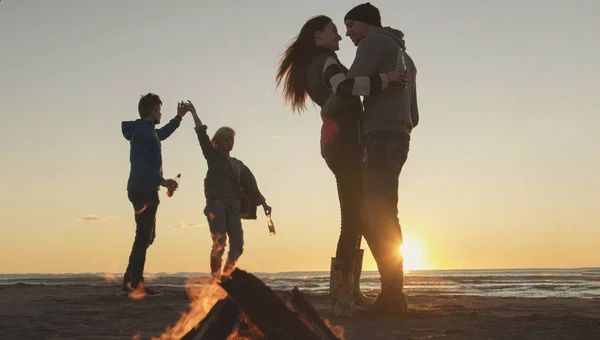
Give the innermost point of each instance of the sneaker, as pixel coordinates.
(152, 292)
(140, 292)
(125, 289)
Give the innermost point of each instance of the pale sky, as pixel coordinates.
(502, 172)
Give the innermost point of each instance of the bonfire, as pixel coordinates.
(243, 307)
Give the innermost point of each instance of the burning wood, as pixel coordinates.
(267, 315)
(220, 322)
(203, 295)
(312, 318)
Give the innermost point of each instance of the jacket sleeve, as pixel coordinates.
(142, 142)
(207, 148)
(165, 131)
(249, 185)
(340, 85)
(414, 107)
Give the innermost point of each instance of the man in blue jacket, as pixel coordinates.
(145, 178)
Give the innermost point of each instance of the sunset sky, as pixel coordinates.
(503, 170)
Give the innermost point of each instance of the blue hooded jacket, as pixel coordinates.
(145, 154)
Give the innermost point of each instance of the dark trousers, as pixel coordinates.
(145, 208)
(384, 155)
(347, 172)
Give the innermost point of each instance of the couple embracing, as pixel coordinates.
(364, 144)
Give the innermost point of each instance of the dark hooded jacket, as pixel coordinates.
(145, 154)
(228, 177)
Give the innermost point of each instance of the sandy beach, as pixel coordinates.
(98, 312)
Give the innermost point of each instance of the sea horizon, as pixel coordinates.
(522, 282)
(407, 271)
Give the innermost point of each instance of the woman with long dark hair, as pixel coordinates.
(310, 67)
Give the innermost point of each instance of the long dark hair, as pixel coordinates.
(294, 62)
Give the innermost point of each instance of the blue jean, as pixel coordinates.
(224, 221)
(384, 155)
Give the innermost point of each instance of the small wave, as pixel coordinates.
(22, 284)
(522, 283)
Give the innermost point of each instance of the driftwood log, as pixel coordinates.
(249, 297)
(220, 322)
(265, 308)
(310, 315)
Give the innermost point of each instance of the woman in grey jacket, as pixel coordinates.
(310, 66)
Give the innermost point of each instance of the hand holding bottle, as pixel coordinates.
(267, 208)
(270, 223)
(171, 185)
(398, 76)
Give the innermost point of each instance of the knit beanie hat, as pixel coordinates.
(366, 13)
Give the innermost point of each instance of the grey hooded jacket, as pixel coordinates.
(392, 109)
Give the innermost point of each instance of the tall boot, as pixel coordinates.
(391, 299)
(341, 288)
(359, 298)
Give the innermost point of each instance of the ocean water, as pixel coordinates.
(528, 283)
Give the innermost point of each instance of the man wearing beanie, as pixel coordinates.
(388, 120)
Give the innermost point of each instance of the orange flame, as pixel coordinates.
(250, 331)
(229, 268)
(337, 330)
(142, 209)
(203, 295)
(139, 292)
(110, 278)
(219, 240)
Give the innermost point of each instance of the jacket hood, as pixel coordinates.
(394, 33)
(130, 127)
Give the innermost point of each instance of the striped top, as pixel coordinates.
(335, 77)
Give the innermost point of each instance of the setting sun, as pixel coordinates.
(413, 255)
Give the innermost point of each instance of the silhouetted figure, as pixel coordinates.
(228, 184)
(145, 178)
(310, 67)
(389, 118)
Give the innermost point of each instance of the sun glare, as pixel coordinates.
(413, 255)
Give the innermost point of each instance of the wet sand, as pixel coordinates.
(98, 312)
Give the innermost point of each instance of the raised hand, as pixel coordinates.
(189, 106)
(181, 109)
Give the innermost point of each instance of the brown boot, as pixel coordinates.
(341, 289)
(391, 299)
